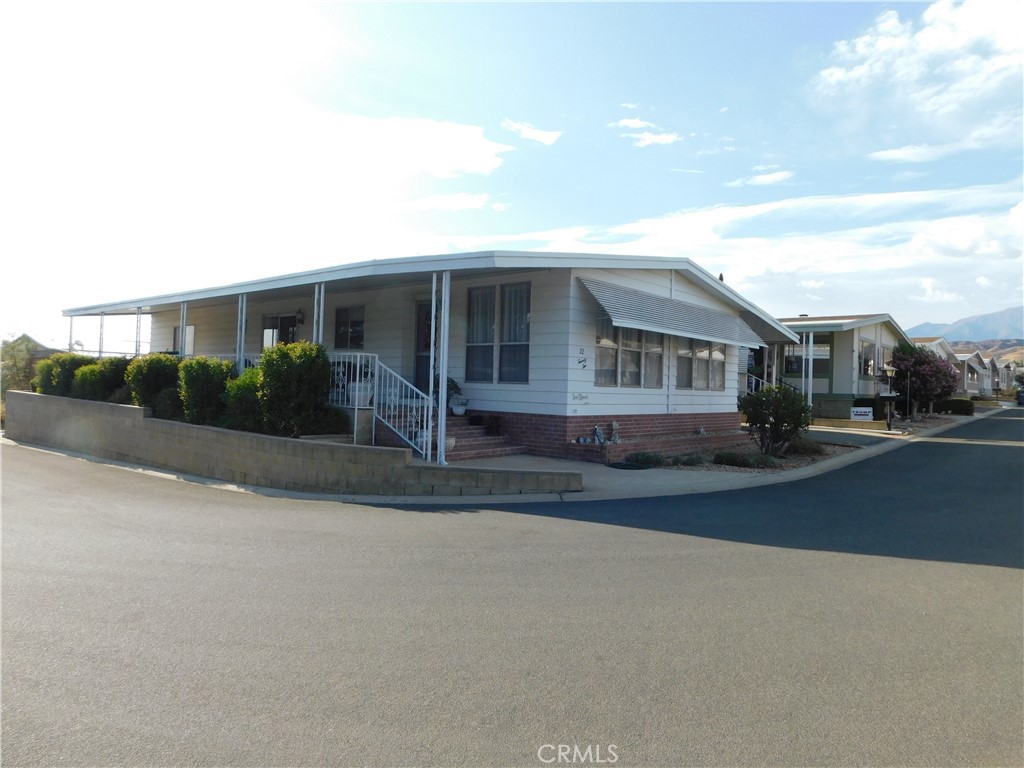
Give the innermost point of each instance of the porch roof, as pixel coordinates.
(834, 323)
(415, 269)
(629, 308)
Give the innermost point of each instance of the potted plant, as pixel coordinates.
(458, 404)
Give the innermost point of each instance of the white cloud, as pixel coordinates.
(460, 201)
(173, 154)
(762, 179)
(944, 79)
(631, 122)
(933, 294)
(984, 282)
(527, 131)
(629, 105)
(647, 138)
(869, 249)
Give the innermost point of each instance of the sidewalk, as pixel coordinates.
(601, 482)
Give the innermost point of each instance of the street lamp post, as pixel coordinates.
(889, 372)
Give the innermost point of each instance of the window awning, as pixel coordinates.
(629, 308)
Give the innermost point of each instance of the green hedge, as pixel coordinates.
(149, 375)
(955, 406)
(294, 388)
(56, 374)
(202, 382)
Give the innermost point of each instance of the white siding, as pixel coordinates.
(584, 397)
(562, 335)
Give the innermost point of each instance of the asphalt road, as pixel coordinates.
(869, 616)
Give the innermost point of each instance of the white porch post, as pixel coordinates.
(442, 379)
(182, 329)
(319, 296)
(71, 333)
(810, 372)
(138, 330)
(100, 350)
(430, 378)
(242, 321)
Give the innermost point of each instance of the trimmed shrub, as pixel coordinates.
(56, 374)
(805, 446)
(745, 460)
(102, 380)
(732, 459)
(777, 416)
(202, 382)
(294, 388)
(645, 459)
(242, 402)
(955, 406)
(149, 375)
(167, 404)
(690, 460)
(88, 383)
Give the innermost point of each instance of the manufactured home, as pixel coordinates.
(560, 353)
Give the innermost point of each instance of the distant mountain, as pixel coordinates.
(1005, 324)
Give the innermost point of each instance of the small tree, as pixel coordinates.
(16, 363)
(777, 416)
(202, 382)
(928, 376)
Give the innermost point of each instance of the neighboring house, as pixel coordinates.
(549, 345)
(838, 359)
(938, 345)
(973, 374)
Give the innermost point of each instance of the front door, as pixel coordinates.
(422, 373)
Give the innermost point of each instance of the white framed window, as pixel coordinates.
(700, 365)
(627, 357)
(348, 327)
(498, 333)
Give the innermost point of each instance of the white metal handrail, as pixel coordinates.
(404, 409)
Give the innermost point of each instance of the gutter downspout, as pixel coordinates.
(103, 316)
(183, 329)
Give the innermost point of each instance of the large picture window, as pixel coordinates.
(498, 326)
(627, 357)
(700, 365)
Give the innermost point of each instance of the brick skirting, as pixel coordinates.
(666, 433)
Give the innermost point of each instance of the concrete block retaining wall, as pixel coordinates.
(130, 434)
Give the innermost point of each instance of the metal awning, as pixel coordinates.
(629, 308)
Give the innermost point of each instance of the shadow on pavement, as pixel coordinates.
(952, 500)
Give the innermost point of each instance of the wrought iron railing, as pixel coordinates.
(404, 410)
(755, 384)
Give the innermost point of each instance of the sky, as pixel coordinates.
(826, 158)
